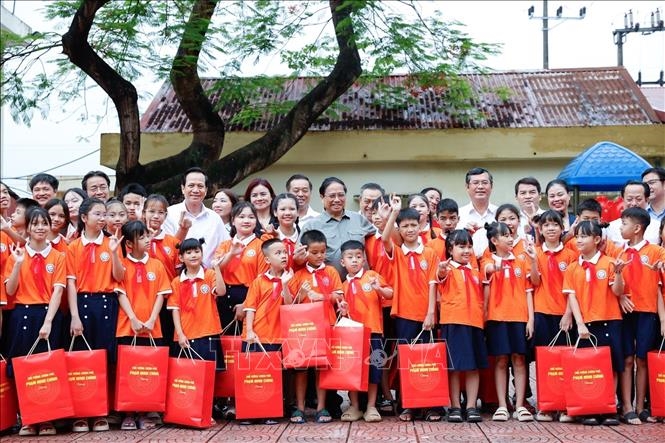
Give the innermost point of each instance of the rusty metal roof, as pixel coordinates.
(527, 99)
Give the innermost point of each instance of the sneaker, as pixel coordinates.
(544, 416)
(565, 418)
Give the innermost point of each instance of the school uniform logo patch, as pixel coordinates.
(167, 249)
(50, 268)
(645, 259)
(367, 287)
(521, 256)
(423, 265)
(3, 247)
(205, 289)
(518, 272)
(251, 253)
(601, 274)
(325, 281)
(151, 276)
(563, 266)
(105, 256)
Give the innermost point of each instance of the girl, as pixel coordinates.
(116, 215)
(146, 284)
(241, 260)
(434, 196)
(59, 213)
(94, 277)
(509, 314)
(558, 198)
(73, 197)
(593, 284)
(260, 194)
(222, 204)
(551, 310)
(36, 280)
(420, 203)
(461, 318)
(285, 211)
(510, 216)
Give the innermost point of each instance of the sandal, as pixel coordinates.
(322, 416)
(100, 424)
(352, 414)
(229, 412)
(145, 422)
(80, 426)
(386, 406)
(590, 421)
(645, 416)
(46, 428)
(156, 418)
(565, 418)
(455, 415)
(501, 414)
(270, 421)
(297, 417)
(433, 415)
(372, 415)
(611, 421)
(630, 418)
(522, 414)
(406, 415)
(473, 415)
(27, 431)
(128, 423)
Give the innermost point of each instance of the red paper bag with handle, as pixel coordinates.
(225, 380)
(188, 393)
(349, 368)
(8, 400)
(141, 374)
(305, 330)
(588, 380)
(656, 365)
(549, 373)
(87, 375)
(423, 374)
(42, 386)
(258, 385)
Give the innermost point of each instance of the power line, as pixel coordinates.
(23, 177)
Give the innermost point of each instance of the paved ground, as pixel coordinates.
(390, 430)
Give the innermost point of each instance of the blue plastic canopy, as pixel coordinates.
(604, 166)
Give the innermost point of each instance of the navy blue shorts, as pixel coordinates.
(377, 358)
(608, 333)
(505, 337)
(25, 322)
(235, 294)
(466, 347)
(269, 347)
(545, 328)
(99, 315)
(407, 330)
(640, 333)
(209, 348)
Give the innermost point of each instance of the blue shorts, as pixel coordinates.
(407, 330)
(640, 333)
(466, 347)
(209, 348)
(608, 333)
(377, 358)
(99, 315)
(269, 347)
(235, 294)
(545, 328)
(505, 337)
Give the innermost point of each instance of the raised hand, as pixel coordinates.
(18, 253)
(184, 223)
(114, 241)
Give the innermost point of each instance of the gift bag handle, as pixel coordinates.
(661, 346)
(34, 345)
(2, 358)
(258, 342)
(431, 337)
(152, 340)
(234, 322)
(592, 338)
(556, 337)
(71, 344)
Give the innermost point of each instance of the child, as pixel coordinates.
(363, 293)
(421, 204)
(447, 212)
(73, 197)
(285, 211)
(17, 230)
(414, 271)
(35, 279)
(94, 277)
(59, 213)
(593, 277)
(642, 305)
(316, 282)
(146, 284)
(510, 216)
(590, 210)
(509, 314)
(461, 318)
(241, 260)
(116, 215)
(551, 310)
(133, 197)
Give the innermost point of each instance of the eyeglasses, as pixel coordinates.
(99, 188)
(653, 181)
(339, 195)
(479, 182)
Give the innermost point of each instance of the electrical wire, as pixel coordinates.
(23, 177)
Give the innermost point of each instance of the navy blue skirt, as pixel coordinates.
(506, 337)
(467, 350)
(98, 312)
(209, 348)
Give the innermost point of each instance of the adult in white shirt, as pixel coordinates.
(479, 210)
(527, 194)
(205, 222)
(655, 179)
(301, 186)
(635, 194)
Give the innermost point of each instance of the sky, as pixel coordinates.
(573, 43)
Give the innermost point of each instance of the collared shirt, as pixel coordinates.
(207, 225)
(468, 213)
(524, 226)
(98, 241)
(650, 234)
(352, 226)
(311, 213)
(657, 215)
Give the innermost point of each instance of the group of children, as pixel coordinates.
(119, 276)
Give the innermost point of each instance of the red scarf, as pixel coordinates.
(554, 274)
(277, 286)
(158, 251)
(414, 269)
(290, 248)
(321, 278)
(505, 267)
(187, 294)
(634, 277)
(90, 251)
(140, 279)
(590, 268)
(37, 268)
(354, 294)
(472, 288)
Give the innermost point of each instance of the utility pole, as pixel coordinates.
(545, 18)
(628, 27)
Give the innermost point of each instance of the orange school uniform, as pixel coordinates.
(195, 298)
(243, 269)
(461, 300)
(413, 271)
(508, 288)
(438, 245)
(426, 234)
(611, 250)
(377, 260)
(5, 253)
(548, 297)
(40, 273)
(59, 244)
(264, 298)
(363, 300)
(145, 280)
(324, 280)
(163, 247)
(89, 263)
(641, 283)
(290, 243)
(591, 283)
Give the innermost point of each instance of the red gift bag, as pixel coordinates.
(349, 367)
(140, 382)
(305, 330)
(88, 383)
(588, 381)
(42, 386)
(487, 387)
(225, 380)
(423, 374)
(258, 385)
(549, 376)
(8, 400)
(188, 393)
(656, 365)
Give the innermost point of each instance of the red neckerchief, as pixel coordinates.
(414, 269)
(472, 288)
(554, 274)
(377, 250)
(352, 294)
(157, 250)
(140, 278)
(634, 277)
(90, 250)
(506, 267)
(424, 236)
(277, 286)
(290, 248)
(590, 272)
(37, 267)
(187, 295)
(321, 278)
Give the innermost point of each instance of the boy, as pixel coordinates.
(133, 196)
(316, 282)
(414, 270)
(363, 293)
(642, 305)
(16, 229)
(447, 214)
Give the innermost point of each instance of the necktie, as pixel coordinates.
(277, 286)
(354, 295)
(554, 275)
(505, 270)
(590, 271)
(187, 296)
(634, 277)
(37, 268)
(90, 251)
(140, 277)
(471, 287)
(414, 269)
